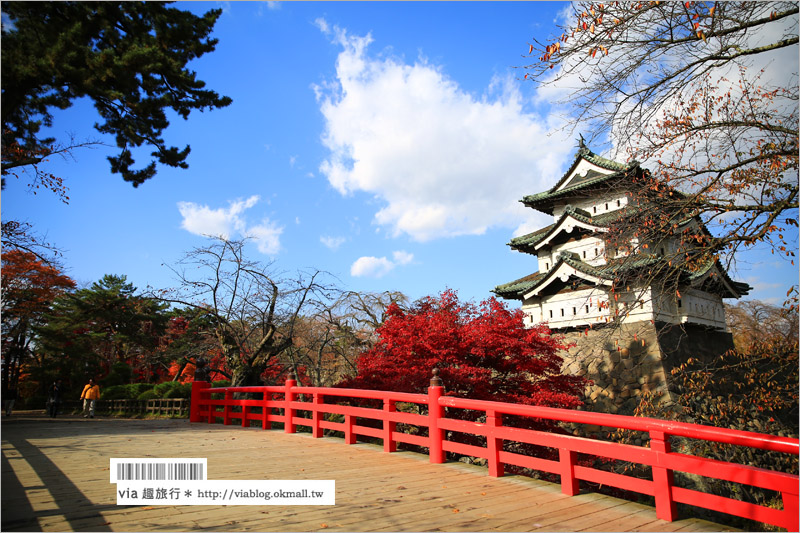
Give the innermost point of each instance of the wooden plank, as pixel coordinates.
(55, 477)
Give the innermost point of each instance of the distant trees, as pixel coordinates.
(252, 314)
(130, 58)
(188, 336)
(251, 324)
(680, 86)
(759, 326)
(751, 388)
(90, 330)
(332, 334)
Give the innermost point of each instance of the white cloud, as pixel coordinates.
(402, 257)
(332, 242)
(221, 222)
(230, 223)
(442, 162)
(377, 267)
(322, 24)
(371, 267)
(266, 236)
(266, 6)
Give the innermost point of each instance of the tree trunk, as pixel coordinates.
(246, 376)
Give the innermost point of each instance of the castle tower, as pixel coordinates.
(631, 310)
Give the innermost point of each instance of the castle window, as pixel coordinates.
(606, 207)
(574, 311)
(562, 311)
(680, 304)
(551, 313)
(587, 308)
(618, 203)
(594, 209)
(584, 254)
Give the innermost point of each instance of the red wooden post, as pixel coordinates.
(389, 445)
(790, 508)
(349, 434)
(212, 413)
(494, 444)
(663, 478)
(569, 483)
(316, 430)
(194, 406)
(226, 417)
(245, 422)
(288, 412)
(266, 410)
(435, 412)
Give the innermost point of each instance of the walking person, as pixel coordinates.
(9, 398)
(90, 395)
(54, 399)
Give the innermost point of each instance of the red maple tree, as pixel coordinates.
(29, 287)
(482, 352)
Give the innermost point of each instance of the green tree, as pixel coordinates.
(92, 329)
(129, 58)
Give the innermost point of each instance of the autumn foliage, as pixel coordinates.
(704, 94)
(29, 287)
(751, 388)
(482, 352)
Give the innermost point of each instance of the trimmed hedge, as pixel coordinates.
(130, 391)
(147, 391)
(148, 395)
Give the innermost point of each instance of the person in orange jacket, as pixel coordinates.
(90, 394)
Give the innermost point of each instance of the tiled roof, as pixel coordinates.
(514, 290)
(530, 240)
(585, 153)
(592, 177)
(539, 199)
(613, 269)
(742, 288)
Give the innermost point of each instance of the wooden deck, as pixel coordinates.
(55, 477)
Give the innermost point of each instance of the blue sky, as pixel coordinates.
(385, 143)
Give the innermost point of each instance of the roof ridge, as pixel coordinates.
(585, 153)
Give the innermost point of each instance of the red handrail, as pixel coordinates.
(658, 456)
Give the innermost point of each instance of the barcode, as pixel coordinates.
(159, 471)
(153, 469)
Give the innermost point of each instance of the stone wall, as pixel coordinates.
(625, 362)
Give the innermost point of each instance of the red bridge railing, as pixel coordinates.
(295, 406)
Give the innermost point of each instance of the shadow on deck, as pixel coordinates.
(55, 477)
